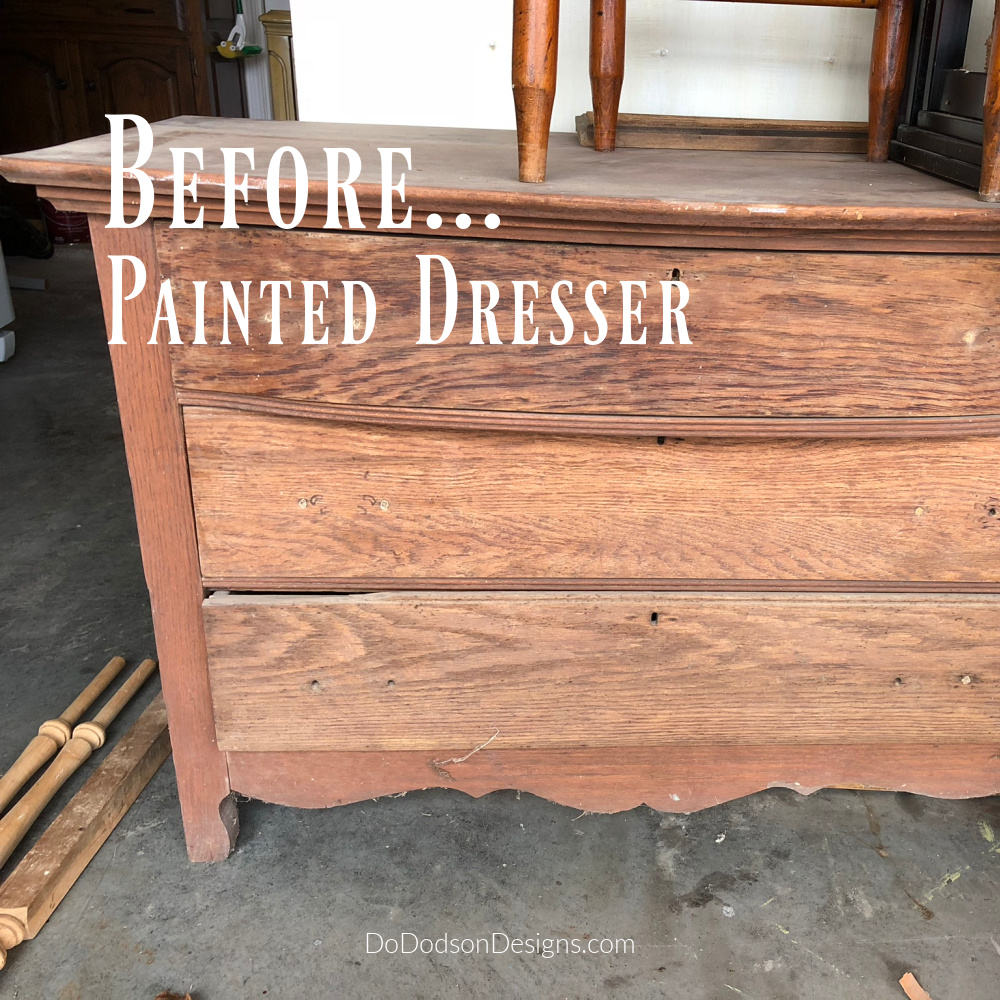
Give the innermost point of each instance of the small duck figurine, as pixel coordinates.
(235, 47)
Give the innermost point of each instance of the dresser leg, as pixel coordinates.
(153, 428)
(989, 185)
(888, 73)
(533, 75)
(607, 68)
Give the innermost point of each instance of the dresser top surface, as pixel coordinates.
(476, 171)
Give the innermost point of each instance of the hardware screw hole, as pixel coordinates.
(390, 684)
(315, 685)
(898, 682)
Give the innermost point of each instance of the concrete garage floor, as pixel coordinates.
(775, 897)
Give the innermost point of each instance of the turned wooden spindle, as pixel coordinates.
(31, 893)
(87, 737)
(12, 933)
(888, 73)
(607, 68)
(54, 734)
(533, 76)
(989, 185)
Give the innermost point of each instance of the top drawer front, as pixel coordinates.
(773, 334)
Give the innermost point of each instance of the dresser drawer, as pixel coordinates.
(411, 671)
(283, 503)
(772, 334)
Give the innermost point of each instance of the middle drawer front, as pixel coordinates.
(285, 503)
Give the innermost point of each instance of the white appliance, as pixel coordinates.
(6, 314)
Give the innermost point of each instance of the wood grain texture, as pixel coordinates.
(607, 68)
(773, 334)
(533, 77)
(890, 45)
(87, 737)
(331, 584)
(658, 197)
(600, 705)
(989, 187)
(549, 670)
(941, 234)
(49, 870)
(693, 132)
(676, 778)
(54, 733)
(154, 447)
(616, 425)
(281, 497)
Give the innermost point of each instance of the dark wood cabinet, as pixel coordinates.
(89, 14)
(155, 81)
(39, 106)
(69, 63)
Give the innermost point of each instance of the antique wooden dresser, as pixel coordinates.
(610, 573)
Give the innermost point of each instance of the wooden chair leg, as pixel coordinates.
(607, 68)
(536, 43)
(888, 73)
(989, 185)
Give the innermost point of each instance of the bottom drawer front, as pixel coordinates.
(420, 671)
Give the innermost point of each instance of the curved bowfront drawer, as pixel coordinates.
(438, 671)
(786, 334)
(284, 503)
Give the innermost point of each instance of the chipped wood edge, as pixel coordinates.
(912, 988)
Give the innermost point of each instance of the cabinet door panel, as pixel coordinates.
(37, 91)
(152, 81)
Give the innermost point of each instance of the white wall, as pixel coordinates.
(980, 26)
(447, 62)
